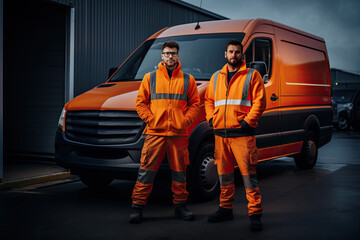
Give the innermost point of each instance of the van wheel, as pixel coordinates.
(307, 158)
(204, 180)
(95, 182)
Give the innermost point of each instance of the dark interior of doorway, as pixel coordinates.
(34, 76)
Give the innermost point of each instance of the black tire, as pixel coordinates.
(307, 158)
(95, 182)
(204, 180)
(343, 122)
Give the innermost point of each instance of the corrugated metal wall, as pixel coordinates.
(107, 32)
(1, 89)
(342, 79)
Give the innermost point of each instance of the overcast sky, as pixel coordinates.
(337, 21)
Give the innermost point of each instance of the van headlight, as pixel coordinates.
(62, 118)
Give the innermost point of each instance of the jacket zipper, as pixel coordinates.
(227, 90)
(168, 109)
(227, 84)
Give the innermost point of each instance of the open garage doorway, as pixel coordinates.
(34, 75)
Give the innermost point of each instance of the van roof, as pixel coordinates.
(226, 26)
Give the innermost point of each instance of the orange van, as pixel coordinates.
(100, 134)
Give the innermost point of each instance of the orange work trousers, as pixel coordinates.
(242, 150)
(152, 155)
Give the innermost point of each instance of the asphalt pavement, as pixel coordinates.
(321, 203)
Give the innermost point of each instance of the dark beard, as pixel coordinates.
(235, 64)
(174, 65)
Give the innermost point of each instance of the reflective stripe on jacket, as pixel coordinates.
(168, 106)
(234, 108)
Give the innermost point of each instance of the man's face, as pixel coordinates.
(170, 57)
(233, 55)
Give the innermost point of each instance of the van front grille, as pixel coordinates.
(103, 127)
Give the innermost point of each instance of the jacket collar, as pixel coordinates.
(162, 67)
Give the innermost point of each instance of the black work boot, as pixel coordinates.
(184, 214)
(222, 214)
(136, 215)
(255, 222)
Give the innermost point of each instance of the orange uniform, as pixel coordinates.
(234, 109)
(168, 106)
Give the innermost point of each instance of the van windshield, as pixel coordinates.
(200, 55)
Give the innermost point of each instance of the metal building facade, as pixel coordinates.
(82, 40)
(343, 79)
(107, 32)
(1, 89)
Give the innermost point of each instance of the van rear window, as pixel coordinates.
(200, 55)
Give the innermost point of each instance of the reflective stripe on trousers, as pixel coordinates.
(152, 155)
(242, 150)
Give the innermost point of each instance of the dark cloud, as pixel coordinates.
(337, 21)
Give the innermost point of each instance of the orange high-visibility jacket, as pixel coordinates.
(168, 106)
(234, 109)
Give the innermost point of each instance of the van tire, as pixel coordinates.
(307, 158)
(204, 180)
(95, 182)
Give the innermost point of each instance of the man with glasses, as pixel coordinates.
(234, 102)
(168, 102)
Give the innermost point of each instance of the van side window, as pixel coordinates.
(249, 54)
(260, 49)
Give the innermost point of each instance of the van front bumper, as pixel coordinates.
(113, 161)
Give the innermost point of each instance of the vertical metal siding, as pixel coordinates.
(107, 32)
(1, 89)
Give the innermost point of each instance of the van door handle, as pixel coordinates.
(274, 97)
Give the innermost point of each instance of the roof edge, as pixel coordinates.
(198, 9)
(351, 72)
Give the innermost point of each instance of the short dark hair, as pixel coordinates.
(170, 44)
(234, 42)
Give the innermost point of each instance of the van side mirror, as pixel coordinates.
(261, 68)
(266, 78)
(111, 71)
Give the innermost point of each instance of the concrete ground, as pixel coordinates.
(321, 203)
(19, 172)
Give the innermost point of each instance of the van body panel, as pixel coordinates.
(296, 31)
(303, 69)
(258, 27)
(291, 148)
(120, 95)
(267, 153)
(300, 77)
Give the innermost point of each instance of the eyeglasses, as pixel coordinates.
(167, 54)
